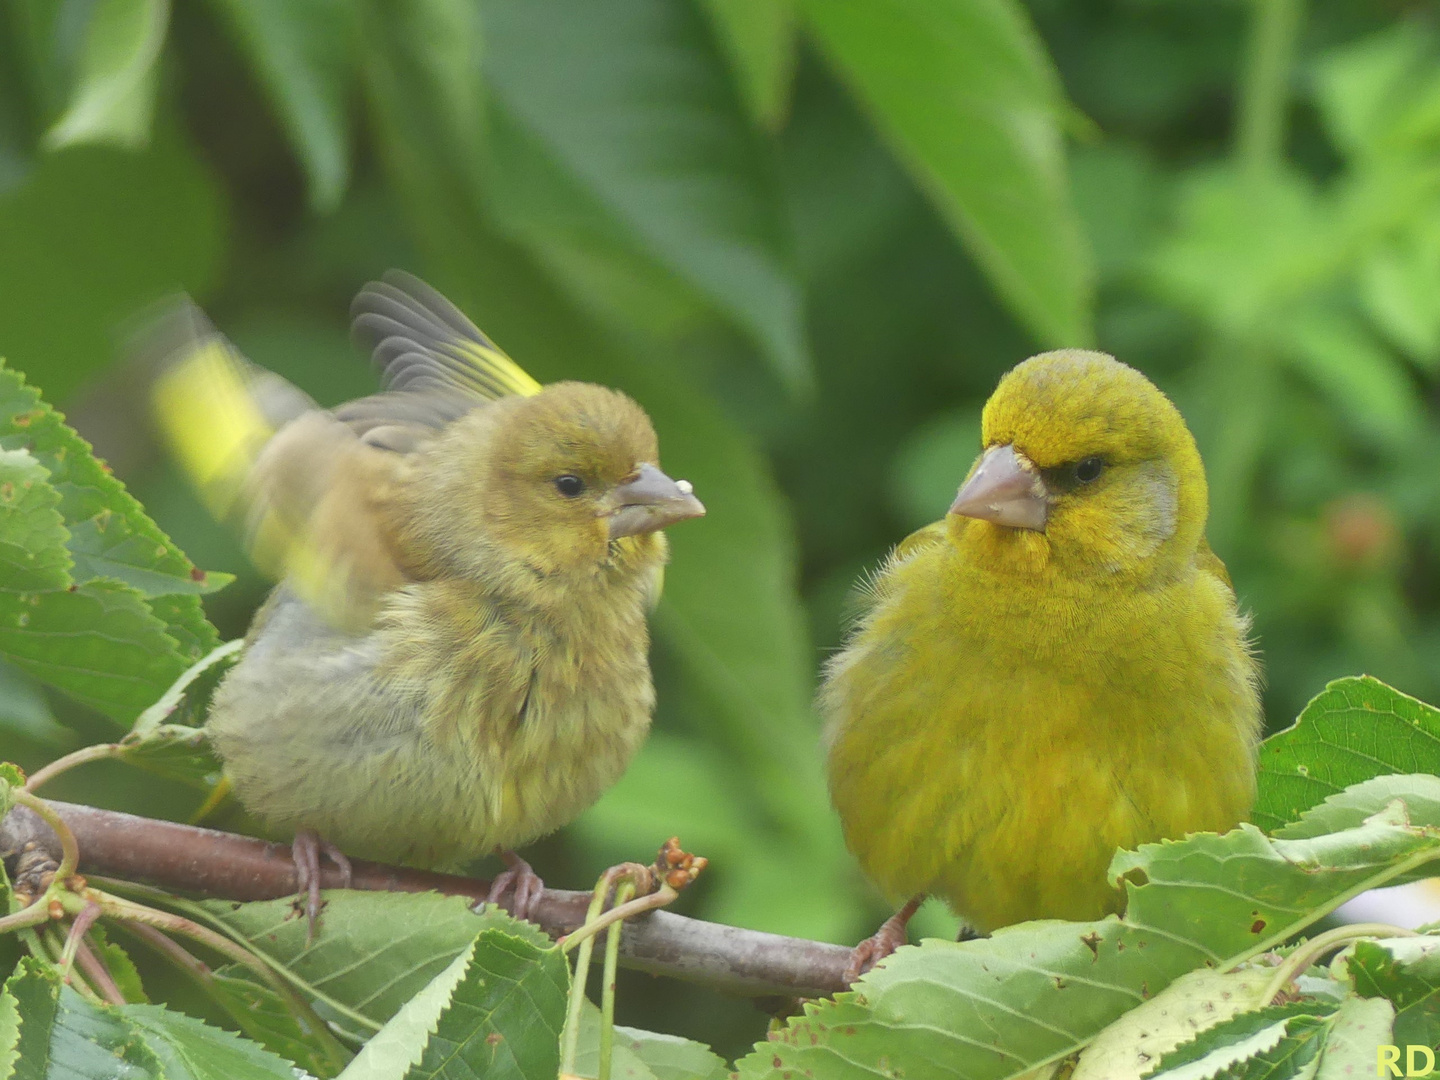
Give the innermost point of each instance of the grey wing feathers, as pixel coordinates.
(422, 343)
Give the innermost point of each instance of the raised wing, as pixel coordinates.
(314, 487)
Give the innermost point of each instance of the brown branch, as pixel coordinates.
(182, 858)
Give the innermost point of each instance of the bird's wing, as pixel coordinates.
(1208, 561)
(930, 535)
(313, 486)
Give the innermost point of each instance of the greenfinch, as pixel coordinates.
(1055, 670)
(455, 661)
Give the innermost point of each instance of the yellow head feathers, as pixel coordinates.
(1087, 465)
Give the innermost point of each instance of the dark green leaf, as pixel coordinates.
(495, 1011)
(122, 969)
(100, 644)
(1406, 972)
(264, 1016)
(1234, 1045)
(758, 37)
(632, 99)
(967, 96)
(174, 751)
(304, 56)
(140, 225)
(374, 950)
(189, 1049)
(1355, 730)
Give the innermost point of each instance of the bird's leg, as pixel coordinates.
(520, 876)
(306, 851)
(890, 936)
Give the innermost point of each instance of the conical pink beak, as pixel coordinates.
(1006, 489)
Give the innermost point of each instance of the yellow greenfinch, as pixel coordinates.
(455, 662)
(1055, 670)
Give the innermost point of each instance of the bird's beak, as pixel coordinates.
(1006, 489)
(651, 501)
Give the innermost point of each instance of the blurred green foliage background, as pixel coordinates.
(808, 235)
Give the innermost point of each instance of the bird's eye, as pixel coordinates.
(1089, 469)
(569, 485)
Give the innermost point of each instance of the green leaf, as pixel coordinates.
(1367, 385)
(122, 969)
(33, 555)
(1405, 972)
(100, 644)
(400, 1044)
(304, 56)
(1034, 993)
(1356, 729)
(185, 1048)
(174, 751)
(109, 610)
(374, 951)
(495, 1011)
(1356, 1029)
(1381, 94)
(262, 1015)
(140, 225)
(1270, 1044)
(11, 779)
(1348, 809)
(632, 99)
(9, 1032)
(968, 98)
(758, 37)
(1246, 247)
(64, 1036)
(114, 96)
(1129, 1048)
(25, 711)
(110, 534)
(1400, 288)
(931, 464)
(645, 1055)
(35, 991)
(188, 697)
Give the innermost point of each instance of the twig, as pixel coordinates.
(99, 752)
(96, 971)
(182, 858)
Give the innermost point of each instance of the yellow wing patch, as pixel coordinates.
(211, 422)
(496, 373)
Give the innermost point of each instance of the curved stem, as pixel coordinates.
(623, 892)
(98, 974)
(34, 915)
(657, 899)
(570, 1041)
(98, 752)
(1308, 952)
(69, 850)
(79, 927)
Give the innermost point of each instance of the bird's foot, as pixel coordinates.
(306, 851)
(520, 876)
(891, 935)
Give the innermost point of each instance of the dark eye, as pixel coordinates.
(569, 486)
(1089, 469)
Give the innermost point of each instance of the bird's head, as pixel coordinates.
(572, 479)
(1086, 462)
